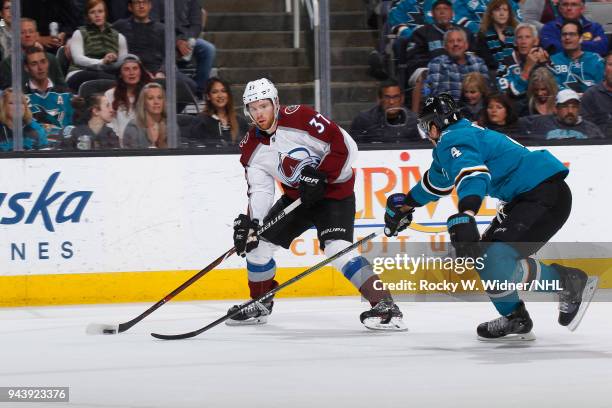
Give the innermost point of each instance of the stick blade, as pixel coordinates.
(176, 336)
(99, 328)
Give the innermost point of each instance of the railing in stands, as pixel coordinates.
(318, 14)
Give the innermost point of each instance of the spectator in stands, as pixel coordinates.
(592, 36)
(526, 57)
(50, 104)
(190, 45)
(575, 68)
(500, 115)
(148, 129)
(539, 12)
(145, 38)
(541, 92)
(565, 124)
(388, 121)
(495, 40)
(446, 72)
(45, 12)
(95, 47)
(468, 13)
(5, 29)
(426, 42)
(407, 15)
(219, 123)
(131, 79)
(188, 23)
(34, 136)
(596, 103)
(29, 38)
(94, 133)
(474, 89)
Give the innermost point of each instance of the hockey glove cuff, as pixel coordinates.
(312, 186)
(396, 220)
(245, 234)
(464, 235)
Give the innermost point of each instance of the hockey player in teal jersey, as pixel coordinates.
(480, 162)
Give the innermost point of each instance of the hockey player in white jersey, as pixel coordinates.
(311, 157)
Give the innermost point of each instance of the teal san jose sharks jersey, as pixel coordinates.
(481, 162)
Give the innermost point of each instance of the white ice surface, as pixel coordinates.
(313, 353)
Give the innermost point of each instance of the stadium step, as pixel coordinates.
(279, 21)
(250, 6)
(254, 39)
(274, 74)
(292, 74)
(225, 40)
(304, 93)
(261, 57)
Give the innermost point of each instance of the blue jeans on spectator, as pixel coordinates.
(204, 54)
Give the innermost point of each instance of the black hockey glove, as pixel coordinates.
(395, 220)
(245, 234)
(312, 186)
(464, 235)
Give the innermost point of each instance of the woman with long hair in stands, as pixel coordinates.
(474, 90)
(541, 92)
(149, 128)
(495, 40)
(500, 114)
(95, 47)
(34, 135)
(219, 123)
(132, 77)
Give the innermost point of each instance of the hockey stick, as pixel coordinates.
(96, 328)
(269, 293)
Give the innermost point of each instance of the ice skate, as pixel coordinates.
(576, 295)
(384, 316)
(256, 313)
(515, 326)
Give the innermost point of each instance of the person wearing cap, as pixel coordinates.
(566, 123)
(596, 103)
(132, 77)
(592, 36)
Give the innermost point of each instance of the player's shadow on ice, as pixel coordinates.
(520, 353)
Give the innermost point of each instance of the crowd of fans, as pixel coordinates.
(116, 48)
(538, 69)
(535, 69)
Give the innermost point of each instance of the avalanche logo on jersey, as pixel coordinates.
(290, 165)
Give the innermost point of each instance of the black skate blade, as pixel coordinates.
(587, 295)
(510, 338)
(375, 323)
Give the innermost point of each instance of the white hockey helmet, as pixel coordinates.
(258, 90)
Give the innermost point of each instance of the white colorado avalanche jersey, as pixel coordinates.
(303, 137)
